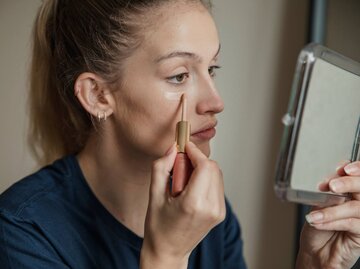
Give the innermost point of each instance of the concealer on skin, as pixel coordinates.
(175, 94)
(182, 166)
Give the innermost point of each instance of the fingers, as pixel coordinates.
(346, 216)
(340, 168)
(206, 173)
(161, 172)
(324, 185)
(345, 184)
(352, 169)
(330, 214)
(339, 172)
(206, 185)
(351, 225)
(198, 184)
(194, 153)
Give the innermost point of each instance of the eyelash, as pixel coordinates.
(180, 78)
(212, 70)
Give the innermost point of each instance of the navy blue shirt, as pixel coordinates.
(52, 220)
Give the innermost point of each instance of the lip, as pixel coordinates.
(206, 132)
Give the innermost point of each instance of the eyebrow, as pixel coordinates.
(184, 54)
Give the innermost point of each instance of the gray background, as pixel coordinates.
(260, 43)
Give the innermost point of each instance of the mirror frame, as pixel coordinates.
(292, 124)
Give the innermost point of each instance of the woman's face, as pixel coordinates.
(179, 55)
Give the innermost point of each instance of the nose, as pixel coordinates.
(209, 101)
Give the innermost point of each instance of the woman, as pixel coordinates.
(106, 81)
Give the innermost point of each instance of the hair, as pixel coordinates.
(69, 38)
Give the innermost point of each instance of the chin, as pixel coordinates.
(204, 147)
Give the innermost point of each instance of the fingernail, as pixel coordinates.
(341, 165)
(313, 217)
(352, 168)
(336, 185)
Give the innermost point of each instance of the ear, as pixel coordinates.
(94, 95)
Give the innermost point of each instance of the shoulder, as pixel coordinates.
(48, 182)
(233, 243)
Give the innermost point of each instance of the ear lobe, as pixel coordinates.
(93, 94)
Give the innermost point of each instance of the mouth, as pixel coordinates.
(206, 132)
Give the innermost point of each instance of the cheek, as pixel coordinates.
(148, 125)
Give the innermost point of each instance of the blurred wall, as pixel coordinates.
(260, 42)
(343, 27)
(16, 18)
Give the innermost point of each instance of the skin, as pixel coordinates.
(133, 152)
(124, 157)
(331, 236)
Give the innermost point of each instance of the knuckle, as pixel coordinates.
(192, 207)
(197, 208)
(205, 164)
(350, 224)
(209, 165)
(214, 214)
(214, 164)
(217, 213)
(222, 215)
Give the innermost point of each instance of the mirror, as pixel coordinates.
(321, 127)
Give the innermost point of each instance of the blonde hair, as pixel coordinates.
(69, 38)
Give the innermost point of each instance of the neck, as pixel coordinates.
(120, 179)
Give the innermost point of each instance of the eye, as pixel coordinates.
(178, 79)
(212, 69)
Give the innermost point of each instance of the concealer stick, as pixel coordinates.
(182, 167)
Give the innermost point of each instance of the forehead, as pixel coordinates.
(187, 28)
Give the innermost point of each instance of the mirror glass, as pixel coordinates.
(321, 126)
(328, 125)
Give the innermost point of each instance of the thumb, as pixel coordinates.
(160, 173)
(194, 153)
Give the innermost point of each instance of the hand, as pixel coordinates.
(175, 225)
(331, 238)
